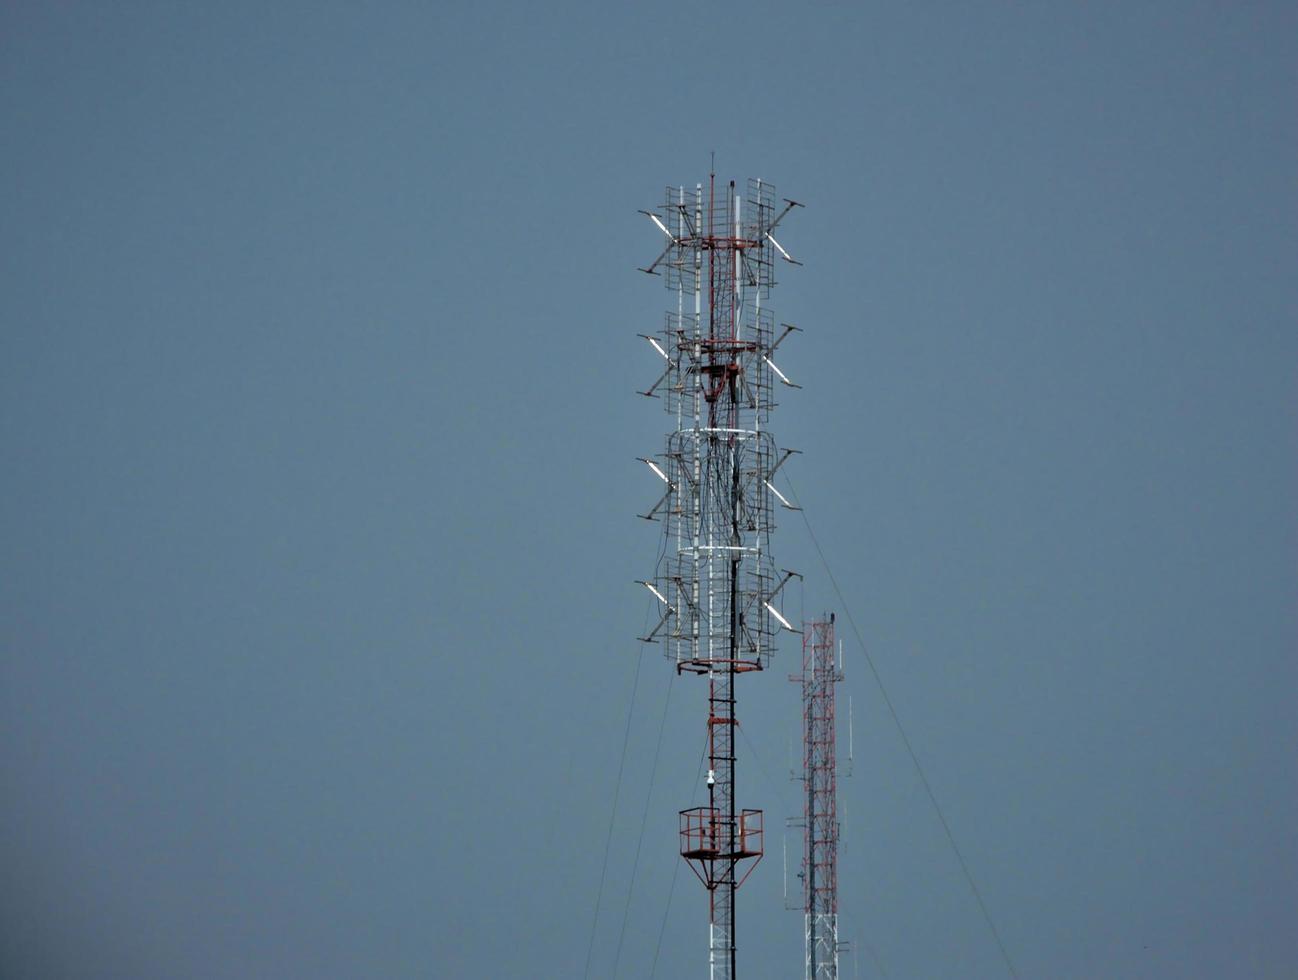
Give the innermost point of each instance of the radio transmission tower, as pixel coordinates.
(716, 582)
(820, 769)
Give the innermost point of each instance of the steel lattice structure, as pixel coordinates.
(716, 582)
(820, 772)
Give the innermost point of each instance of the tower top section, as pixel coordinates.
(721, 219)
(717, 585)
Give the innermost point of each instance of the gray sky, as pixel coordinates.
(317, 361)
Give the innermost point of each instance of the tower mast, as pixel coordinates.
(717, 585)
(820, 773)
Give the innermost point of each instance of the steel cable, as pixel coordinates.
(644, 820)
(905, 739)
(617, 792)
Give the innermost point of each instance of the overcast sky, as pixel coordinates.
(317, 539)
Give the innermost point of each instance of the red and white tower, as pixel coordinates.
(716, 583)
(820, 772)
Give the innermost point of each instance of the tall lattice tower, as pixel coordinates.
(820, 772)
(716, 581)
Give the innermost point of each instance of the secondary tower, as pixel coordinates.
(820, 773)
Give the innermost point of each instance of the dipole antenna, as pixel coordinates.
(820, 821)
(717, 585)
